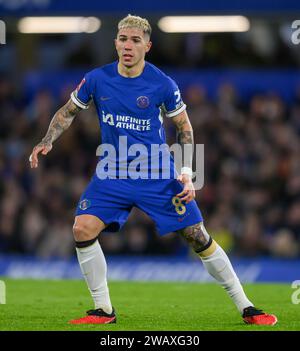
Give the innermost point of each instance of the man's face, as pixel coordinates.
(132, 45)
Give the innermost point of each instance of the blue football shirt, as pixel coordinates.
(131, 112)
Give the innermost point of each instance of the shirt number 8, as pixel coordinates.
(179, 206)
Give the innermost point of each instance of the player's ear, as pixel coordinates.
(148, 46)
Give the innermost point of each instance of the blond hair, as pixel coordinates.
(135, 22)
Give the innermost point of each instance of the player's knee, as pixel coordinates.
(197, 236)
(83, 232)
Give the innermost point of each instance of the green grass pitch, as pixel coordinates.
(50, 304)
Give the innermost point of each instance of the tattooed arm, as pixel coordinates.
(186, 140)
(185, 137)
(59, 123)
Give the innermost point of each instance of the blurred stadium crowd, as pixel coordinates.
(250, 201)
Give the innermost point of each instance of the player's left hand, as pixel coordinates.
(188, 193)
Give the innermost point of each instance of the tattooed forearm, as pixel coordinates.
(61, 121)
(185, 138)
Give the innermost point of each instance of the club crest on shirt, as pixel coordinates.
(84, 204)
(142, 101)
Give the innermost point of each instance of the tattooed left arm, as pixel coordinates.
(186, 140)
(185, 137)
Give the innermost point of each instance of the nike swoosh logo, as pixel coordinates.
(104, 98)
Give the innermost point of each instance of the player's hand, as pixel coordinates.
(188, 193)
(43, 148)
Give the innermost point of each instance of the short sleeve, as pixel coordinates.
(82, 95)
(173, 104)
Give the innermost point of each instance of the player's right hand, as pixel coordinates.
(42, 147)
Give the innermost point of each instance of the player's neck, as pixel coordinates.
(131, 72)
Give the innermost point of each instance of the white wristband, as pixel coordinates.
(187, 170)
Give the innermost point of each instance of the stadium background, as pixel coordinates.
(243, 97)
